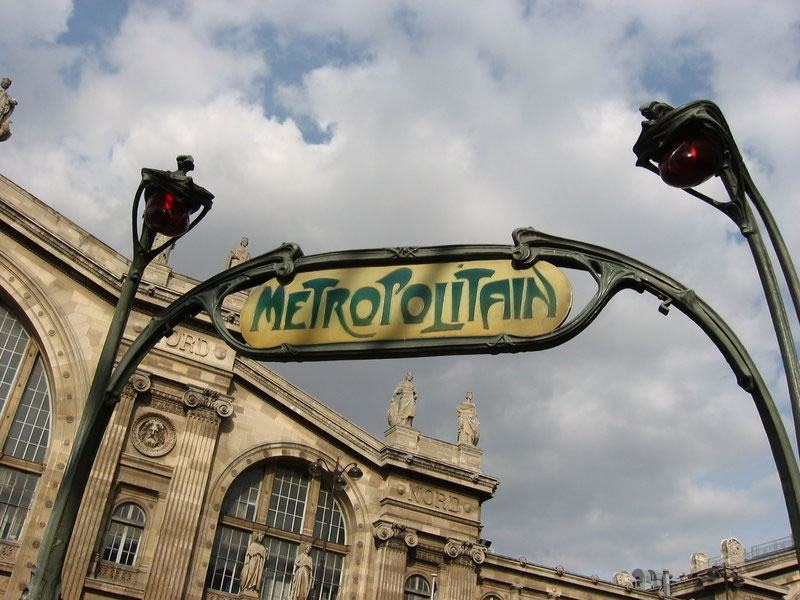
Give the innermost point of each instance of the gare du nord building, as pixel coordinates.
(210, 455)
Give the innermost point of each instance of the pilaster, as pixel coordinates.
(98, 489)
(393, 542)
(186, 493)
(461, 577)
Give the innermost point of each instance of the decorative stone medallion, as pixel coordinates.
(153, 435)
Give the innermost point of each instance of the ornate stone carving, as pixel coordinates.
(553, 592)
(163, 257)
(8, 552)
(153, 435)
(254, 560)
(303, 574)
(623, 578)
(238, 255)
(115, 573)
(7, 106)
(469, 428)
(386, 530)
(411, 539)
(140, 382)
(478, 555)
(209, 399)
(732, 551)
(699, 561)
(403, 405)
(383, 530)
(452, 548)
(456, 548)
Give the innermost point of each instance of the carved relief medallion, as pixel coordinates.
(153, 435)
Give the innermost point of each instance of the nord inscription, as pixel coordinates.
(188, 343)
(433, 498)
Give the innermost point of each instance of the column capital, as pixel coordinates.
(220, 403)
(455, 548)
(385, 530)
(138, 383)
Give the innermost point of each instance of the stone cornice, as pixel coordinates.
(504, 570)
(60, 255)
(483, 485)
(77, 264)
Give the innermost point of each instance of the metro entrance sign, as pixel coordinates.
(611, 271)
(433, 301)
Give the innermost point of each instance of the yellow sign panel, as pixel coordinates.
(432, 300)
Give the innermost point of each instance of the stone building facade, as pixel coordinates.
(202, 484)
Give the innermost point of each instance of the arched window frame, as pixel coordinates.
(25, 420)
(269, 504)
(418, 587)
(124, 534)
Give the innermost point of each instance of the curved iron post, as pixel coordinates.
(664, 126)
(45, 578)
(612, 272)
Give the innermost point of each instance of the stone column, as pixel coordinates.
(98, 489)
(185, 495)
(393, 542)
(461, 576)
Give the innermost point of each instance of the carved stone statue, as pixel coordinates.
(7, 105)
(238, 255)
(254, 560)
(303, 574)
(623, 578)
(732, 551)
(163, 256)
(469, 428)
(699, 561)
(403, 405)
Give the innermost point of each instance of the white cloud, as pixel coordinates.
(630, 446)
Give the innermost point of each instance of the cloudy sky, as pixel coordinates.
(397, 123)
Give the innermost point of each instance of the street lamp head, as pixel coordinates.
(171, 197)
(684, 145)
(355, 473)
(337, 480)
(693, 159)
(315, 468)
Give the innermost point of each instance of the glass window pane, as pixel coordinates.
(13, 342)
(417, 587)
(327, 574)
(241, 501)
(288, 501)
(227, 559)
(16, 492)
(29, 434)
(329, 524)
(124, 534)
(278, 568)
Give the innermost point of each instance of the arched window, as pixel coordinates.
(124, 534)
(25, 394)
(417, 588)
(280, 497)
(492, 597)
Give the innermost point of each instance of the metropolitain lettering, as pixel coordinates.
(430, 300)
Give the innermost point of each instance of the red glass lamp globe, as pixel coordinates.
(691, 162)
(165, 213)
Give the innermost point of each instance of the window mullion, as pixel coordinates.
(310, 516)
(17, 388)
(266, 492)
